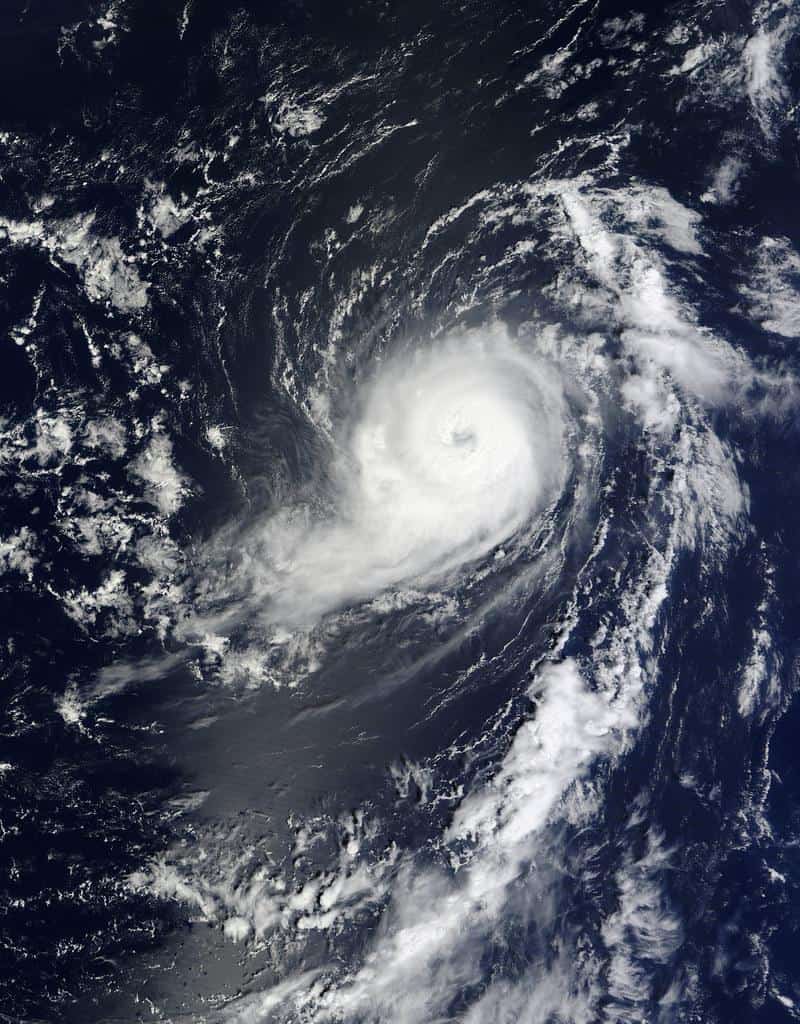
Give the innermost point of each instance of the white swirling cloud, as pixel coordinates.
(452, 452)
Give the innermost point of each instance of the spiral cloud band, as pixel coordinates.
(553, 491)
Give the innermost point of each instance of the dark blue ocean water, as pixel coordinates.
(421, 109)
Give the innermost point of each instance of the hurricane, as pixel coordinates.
(398, 554)
(453, 455)
(451, 452)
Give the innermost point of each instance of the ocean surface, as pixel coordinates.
(399, 551)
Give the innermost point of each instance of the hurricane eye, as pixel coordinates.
(464, 438)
